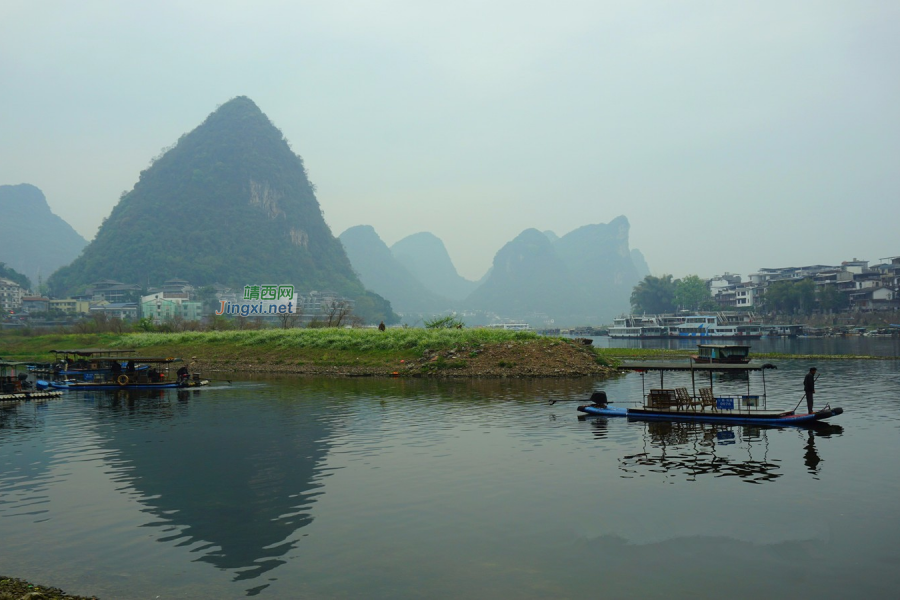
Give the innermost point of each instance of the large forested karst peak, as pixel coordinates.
(231, 203)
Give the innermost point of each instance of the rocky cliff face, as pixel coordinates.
(33, 240)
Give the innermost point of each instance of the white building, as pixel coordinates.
(11, 294)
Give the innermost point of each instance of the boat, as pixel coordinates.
(670, 326)
(509, 326)
(640, 327)
(722, 353)
(103, 370)
(678, 404)
(79, 361)
(713, 326)
(16, 385)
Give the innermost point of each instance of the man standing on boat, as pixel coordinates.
(809, 386)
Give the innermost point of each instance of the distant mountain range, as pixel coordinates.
(231, 203)
(426, 258)
(33, 240)
(583, 277)
(380, 271)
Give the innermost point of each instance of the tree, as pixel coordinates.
(13, 275)
(691, 293)
(806, 295)
(334, 314)
(832, 299)
(791, 297)
(781, 297)
(290, 320)
(654, 295)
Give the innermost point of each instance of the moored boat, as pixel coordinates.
(16, 384)
(722, 353)
(678, 404)
(100, 369)
(719, 326)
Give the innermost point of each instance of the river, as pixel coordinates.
(288, 487)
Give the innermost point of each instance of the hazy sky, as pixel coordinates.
(733, 135)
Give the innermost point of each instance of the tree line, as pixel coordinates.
(657, 295)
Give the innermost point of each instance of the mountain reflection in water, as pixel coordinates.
(710, 449)
(237, 489)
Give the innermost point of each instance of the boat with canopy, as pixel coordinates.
(702, 402)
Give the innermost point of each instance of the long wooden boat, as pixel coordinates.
(678, 404)
(121, 370)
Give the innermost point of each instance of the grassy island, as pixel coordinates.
(344, 352)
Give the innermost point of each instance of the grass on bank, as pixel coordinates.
(336, 346)
(359, 340)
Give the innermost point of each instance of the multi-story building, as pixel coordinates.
(126, 311)
(161, 307)
(110, 291)
(11, 294)
(71, 306)
(35, 304)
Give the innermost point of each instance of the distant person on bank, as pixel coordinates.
(809, 386)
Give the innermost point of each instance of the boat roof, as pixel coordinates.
(93, 351)
(690, 365)
(723, 345)
(140, 359)
(13, 363)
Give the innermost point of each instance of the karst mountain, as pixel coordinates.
(229, 203)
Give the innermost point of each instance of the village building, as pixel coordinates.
(126, 311)
(71, 306)
(35, 304)
(11, 294)
(165, 306)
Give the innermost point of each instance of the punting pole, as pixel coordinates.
(693, 383)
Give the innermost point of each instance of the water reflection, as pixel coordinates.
(234, 486)
(708, 449)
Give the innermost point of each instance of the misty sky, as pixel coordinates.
(733, 135)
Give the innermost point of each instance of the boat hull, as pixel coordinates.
(604, 412)
(787, 419)
(128, 386)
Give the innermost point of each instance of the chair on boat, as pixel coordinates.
(685, 400)
(707, 399)
(662, 399)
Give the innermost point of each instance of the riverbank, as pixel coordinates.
(345, 352)
(18, 589)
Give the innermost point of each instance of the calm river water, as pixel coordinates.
(317, 488)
